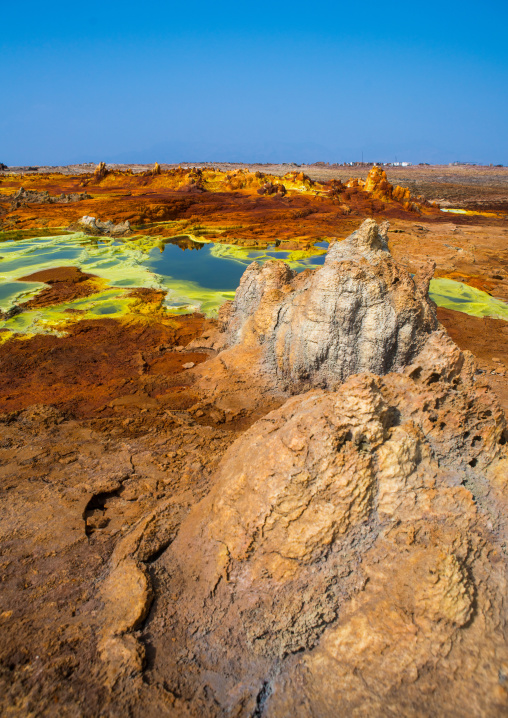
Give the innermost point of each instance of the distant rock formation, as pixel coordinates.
(272, 188)
(299, 179)
(100, 171)
(94, 226)
(193, 181)
(377, 184)
(27, 196)
(361, 311)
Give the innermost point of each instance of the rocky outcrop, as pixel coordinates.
(100, 172)
(94, 226)
(270, 188)
(299, 179)
(27, 196)
(192, 181)
(339, 562)
(361, 311)
(377, 184)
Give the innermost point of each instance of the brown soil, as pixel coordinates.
(66, 284)
(102, 367)
(487, 339)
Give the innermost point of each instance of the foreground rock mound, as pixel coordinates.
(359, 312)
(341, 552)
(349, 556)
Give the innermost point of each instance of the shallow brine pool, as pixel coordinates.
(196, 273)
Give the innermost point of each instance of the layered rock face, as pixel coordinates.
(359, 312)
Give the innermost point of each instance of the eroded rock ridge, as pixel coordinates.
(361, 311)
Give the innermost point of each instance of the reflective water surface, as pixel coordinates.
(195, 273)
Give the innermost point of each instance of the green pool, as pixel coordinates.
(196, 275)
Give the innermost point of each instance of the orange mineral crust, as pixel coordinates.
(251, 205)
(103, 367)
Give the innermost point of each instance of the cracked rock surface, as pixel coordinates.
(359, 312)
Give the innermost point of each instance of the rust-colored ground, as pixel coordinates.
(487, 339)
(103, 367)
(227, 202)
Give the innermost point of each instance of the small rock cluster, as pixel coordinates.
(272, 188)
(94, 226)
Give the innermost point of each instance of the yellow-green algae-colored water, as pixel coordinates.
(470, 212)
(200, 278)
(462, 298)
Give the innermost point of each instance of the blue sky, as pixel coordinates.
(267, 81)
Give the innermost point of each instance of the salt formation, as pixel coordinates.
(359, 312)
(94, 226)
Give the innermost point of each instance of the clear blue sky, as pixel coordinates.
(196, 81)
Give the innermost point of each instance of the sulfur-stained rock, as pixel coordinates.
(377, 182)
(271, 188)
(377, 185)
(100, 171)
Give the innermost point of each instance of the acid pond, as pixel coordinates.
(194, 272)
